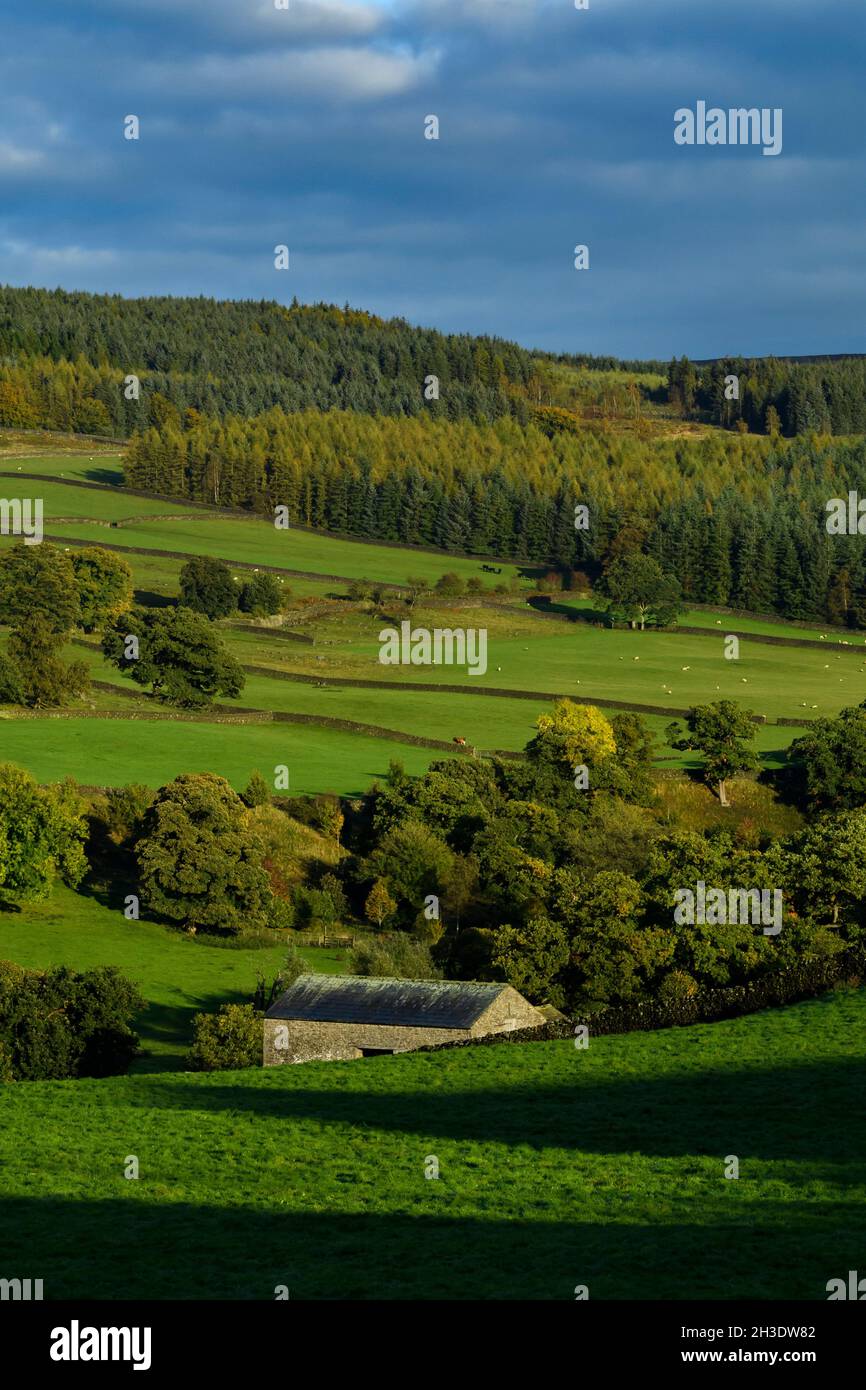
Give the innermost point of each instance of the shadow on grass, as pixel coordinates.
(171, 1025)
(807, 1112)
(149, 598)
(113, 476)
(131, 1247)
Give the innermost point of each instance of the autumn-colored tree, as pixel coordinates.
(379, 905)
(573, 734)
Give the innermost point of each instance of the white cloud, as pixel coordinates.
(14, 159)
(329, 73)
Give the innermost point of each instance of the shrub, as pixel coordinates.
(450, 585)
(227, 1040)
(61, 1023)
(126, 808)
(262, 596)
(676, 986)
(401, 958)
(257, 791)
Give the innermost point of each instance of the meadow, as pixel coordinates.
(110, 753)
(526, 654)
(558, 1167)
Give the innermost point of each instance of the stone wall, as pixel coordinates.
(508, 1012)
(301, 1040)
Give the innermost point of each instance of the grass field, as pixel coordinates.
(557, 1167)
(178, 975)
(651, 668)
(114, 752)
(706, 618)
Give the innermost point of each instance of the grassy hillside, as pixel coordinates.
(177, 974)
(558, 1167)
(660, 671)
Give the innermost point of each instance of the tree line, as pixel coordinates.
(735, 521)
(773, 396)
(64, 358)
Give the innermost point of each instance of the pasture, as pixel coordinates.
(525, 654)
(557, 1167)
(110, 753)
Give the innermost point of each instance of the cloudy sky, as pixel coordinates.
(305, 126)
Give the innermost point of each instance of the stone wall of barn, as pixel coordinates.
(300, 1040)
(508, 1011)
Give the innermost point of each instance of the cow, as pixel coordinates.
(461, 742)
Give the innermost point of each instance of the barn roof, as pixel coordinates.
(398, 1003)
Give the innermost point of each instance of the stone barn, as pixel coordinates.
(337, 1017)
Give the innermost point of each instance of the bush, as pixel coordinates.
(126, 808)
(677, 986)
(262, 596)
(227, 1040)
(60, 1023)
(257, 791)
(450, 585)
(401, 958)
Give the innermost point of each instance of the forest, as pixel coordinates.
(738, 522)
(773, 396)
(64, 357)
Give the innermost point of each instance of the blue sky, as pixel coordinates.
(305, 127)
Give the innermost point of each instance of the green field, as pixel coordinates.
(588, 663)
(178, 975)
(557, 1167)
(61, 500)
(110, 753)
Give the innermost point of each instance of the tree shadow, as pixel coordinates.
(149, 598)
(135, 1247)
(112, 476)
(799, 1112)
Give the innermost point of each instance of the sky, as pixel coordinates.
(305, 127)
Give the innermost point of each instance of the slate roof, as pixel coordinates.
(397, 1003)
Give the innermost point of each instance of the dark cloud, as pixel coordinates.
(305, 126)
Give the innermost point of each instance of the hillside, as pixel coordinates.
(557, 1167)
